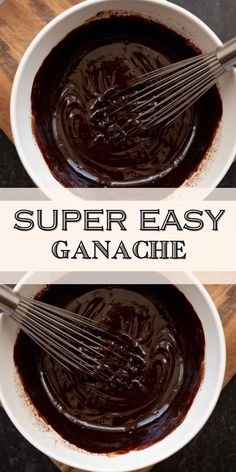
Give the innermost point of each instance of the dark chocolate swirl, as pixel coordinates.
(90, 62)
(159, 386)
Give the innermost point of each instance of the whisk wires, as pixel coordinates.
(75, 341)
(160, 96)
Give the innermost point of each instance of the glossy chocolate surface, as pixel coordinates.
(99, 56)
(157, 392)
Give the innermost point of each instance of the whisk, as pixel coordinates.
(160, 96)
(73, 340)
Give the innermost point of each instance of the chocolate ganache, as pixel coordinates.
(107, 416)
(103, 55)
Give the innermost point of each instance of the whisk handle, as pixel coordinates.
(8, 300)
(226, 54)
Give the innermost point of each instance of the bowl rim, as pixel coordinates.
(112, 462)
(31, 169)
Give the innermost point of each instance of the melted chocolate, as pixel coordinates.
(93, 59)
(158, 391)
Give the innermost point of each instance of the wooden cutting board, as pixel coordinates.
(20, 20)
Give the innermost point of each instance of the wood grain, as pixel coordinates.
(20, 21)
(224, 296)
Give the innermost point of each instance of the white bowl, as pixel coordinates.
(22, 413)
(223, 149)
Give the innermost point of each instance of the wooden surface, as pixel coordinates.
(20, 21)
(15, 35)
(224, 297)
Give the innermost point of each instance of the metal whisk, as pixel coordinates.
(159, 97)
(73, 340)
